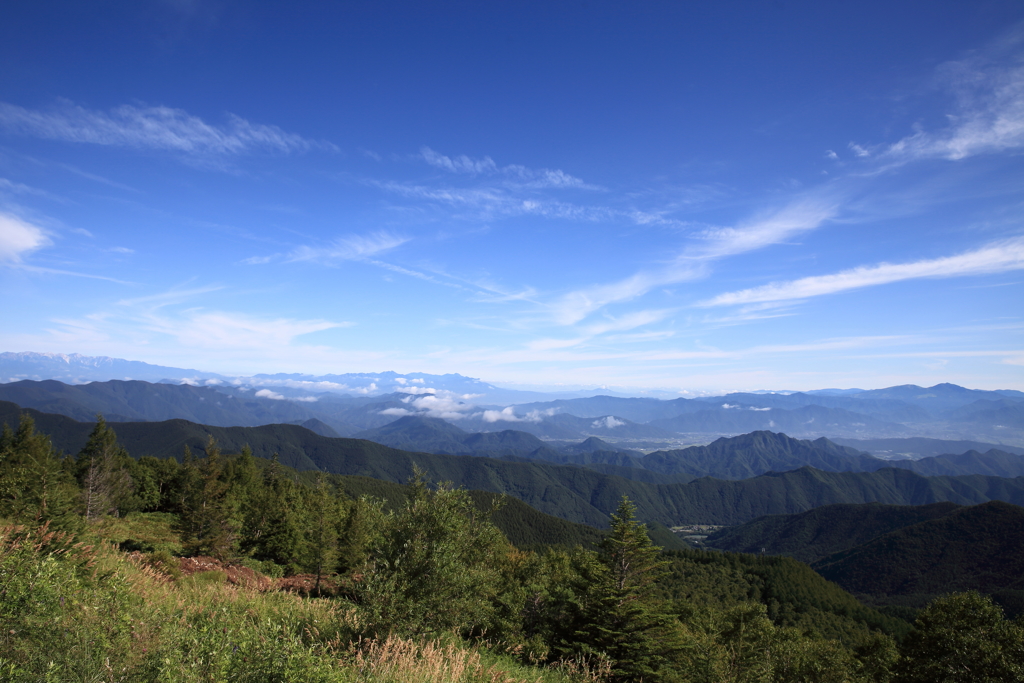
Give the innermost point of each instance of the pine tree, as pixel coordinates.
(34, 484)
(205, 518)
(322, 514)
(623, 620)
(272, 529)
(102, 472)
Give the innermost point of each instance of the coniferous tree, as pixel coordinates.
(272, 529)
(354, 533)
(624, 621)
(102, 469)
(205, 518)
(35, 486)
(322, 516)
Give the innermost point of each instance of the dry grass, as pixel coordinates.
(95, 614)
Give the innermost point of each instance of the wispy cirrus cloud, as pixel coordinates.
(349, 248)
(693, 262)
(161, 128)
(19, 238)
(988, 117)
(775, 227)
(995, 257)
(535, 178)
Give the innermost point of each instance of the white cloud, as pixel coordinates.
(503, 415)
(400, 412)
(459, 164)
(267, 393)
(627, 322)
(529, 178)
(415, 390)
(350, 247)
(799, 217)
(161, 128)
(217, 329)
(993, 258)
(859, 151)
(19, 238)
(608, 422)
(989, 114)
(257, 260)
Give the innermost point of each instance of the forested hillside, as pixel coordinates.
(975, 548)
(576, 494)
(405, 565)
(812, 535)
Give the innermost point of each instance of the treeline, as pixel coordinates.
(435, 564)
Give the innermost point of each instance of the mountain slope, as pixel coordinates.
(759, 452)
(976, 548)
(142, 401)
(573, 493)
(817, 533)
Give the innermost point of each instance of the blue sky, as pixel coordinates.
(689, 196)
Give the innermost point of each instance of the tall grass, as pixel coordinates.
(70, 612)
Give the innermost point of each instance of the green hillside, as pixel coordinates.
(573, 493)
(812, 535)
(976, 548)
(792, 592)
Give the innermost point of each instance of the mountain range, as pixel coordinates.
(574, 493)
(986, 419)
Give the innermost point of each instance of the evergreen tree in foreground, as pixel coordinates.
(102, 472)
(35, 486)
(623, 620)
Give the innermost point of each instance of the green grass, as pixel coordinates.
(143, 531)
(72, 613)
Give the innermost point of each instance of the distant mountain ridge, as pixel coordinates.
(351, 403)
(573, 493)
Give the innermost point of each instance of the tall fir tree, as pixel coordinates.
(102, 470)
(622, 619)
(205, 518)
(35, 485)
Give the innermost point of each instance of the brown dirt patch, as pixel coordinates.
(236, 574)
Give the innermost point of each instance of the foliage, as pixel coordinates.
(414, 574)
(963, 638)
(35, 486)
(432, 565)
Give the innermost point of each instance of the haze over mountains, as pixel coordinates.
(350, 404)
